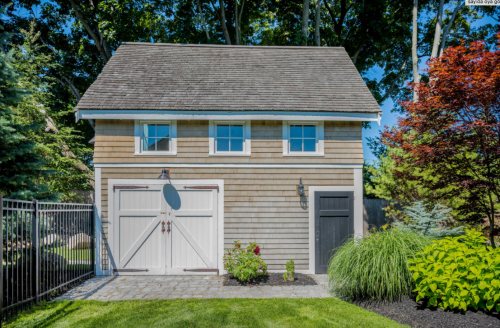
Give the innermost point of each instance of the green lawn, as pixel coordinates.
(202, 313)
(72, 255)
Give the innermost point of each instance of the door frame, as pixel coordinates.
(357, 188)
(220, 213)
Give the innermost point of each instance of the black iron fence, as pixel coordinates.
(46, 249)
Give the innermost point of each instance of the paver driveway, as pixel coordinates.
(112, 288)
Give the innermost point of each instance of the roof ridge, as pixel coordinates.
(229, 46)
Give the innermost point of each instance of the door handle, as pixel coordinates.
(163, 227)
(168, 226)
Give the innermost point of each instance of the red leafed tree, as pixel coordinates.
(453, 130)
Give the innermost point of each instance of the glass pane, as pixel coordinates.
(222, 131)
(162, 144)
(309, 144)
(162, 131)
(295, 131)
(295, 144)
(236, 144)
(149, 130)
(236, 131)
(222, 144)
(309, 131)
(149, 144)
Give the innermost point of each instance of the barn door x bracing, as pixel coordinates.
(165, 229)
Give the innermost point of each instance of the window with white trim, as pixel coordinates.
(303, 138)
(155, 138)
(229, 138)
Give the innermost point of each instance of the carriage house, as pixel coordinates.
(258, 144)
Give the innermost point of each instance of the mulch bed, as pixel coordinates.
(272, 279)
(418, 315)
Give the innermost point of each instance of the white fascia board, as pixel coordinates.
(224, 115)
(231, 165)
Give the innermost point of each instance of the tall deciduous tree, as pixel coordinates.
(453, 130)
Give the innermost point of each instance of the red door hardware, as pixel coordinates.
(129, 187)
(202, 187)
(163, 227)
(168, 226)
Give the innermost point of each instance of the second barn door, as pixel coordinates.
(192, 221)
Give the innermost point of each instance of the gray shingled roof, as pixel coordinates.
(152, 76)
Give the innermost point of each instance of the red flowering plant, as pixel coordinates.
(244, 263)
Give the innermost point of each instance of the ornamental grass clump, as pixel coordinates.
(376, 266)
(459, 273)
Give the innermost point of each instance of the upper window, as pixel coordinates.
(229, 138)
(303, 138)
(155, 138)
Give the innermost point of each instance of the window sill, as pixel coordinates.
(304, 155)
(156, 153)
(230, 154)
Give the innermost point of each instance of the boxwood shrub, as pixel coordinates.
(459, 272)
(375, 266)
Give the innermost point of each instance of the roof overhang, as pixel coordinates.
(225, 115)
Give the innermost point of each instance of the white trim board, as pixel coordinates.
(233, 165)
(98, 222)
(358, 212)
(224, 115)
(220, 211)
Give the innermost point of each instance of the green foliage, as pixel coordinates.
(244, 263)
(290, 269)
(20, 166)
(285, 276)
(459, 273)
(429, 223)
(375, 266)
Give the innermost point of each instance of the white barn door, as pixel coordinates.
(138, 242)
(192, 241)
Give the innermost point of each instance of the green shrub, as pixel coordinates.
(290, 270)
(459, 272)
(244, 263)
(375, 266)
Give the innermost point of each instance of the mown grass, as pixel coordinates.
(202, 313)
(376, 266)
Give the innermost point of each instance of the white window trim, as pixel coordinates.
(320, 139)
(138, 127)
(247, 143)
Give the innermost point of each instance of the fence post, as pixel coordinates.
(35, 241)
(6, 262)
(92, 238)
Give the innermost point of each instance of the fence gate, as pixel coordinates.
(46, 249)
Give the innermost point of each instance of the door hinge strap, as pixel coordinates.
(202, 187)
(129, 187)
(202, 270)
(129, 270)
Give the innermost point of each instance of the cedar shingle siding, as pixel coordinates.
(208, 77)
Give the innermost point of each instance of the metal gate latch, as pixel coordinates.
(168, 226)
(163, 227)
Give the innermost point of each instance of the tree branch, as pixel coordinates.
(447, 28)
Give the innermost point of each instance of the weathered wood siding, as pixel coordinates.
(114, 143)
(260, 204)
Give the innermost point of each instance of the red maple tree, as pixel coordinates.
(453, 130)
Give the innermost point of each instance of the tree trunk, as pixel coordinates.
(305, 21)
(203, 20)
(414, 44)
(448, 27)
(437, 32)
(97, 40)
(223, 22)
(492, 222)
(318, 23)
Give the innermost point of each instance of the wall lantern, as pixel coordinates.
(165, 174)
(300, 189)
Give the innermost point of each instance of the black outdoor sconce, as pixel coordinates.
(165, 175)
(300, 189)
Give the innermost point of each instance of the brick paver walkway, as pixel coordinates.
(112, 288)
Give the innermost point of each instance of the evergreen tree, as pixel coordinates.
(20, 166)
(429, 223)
